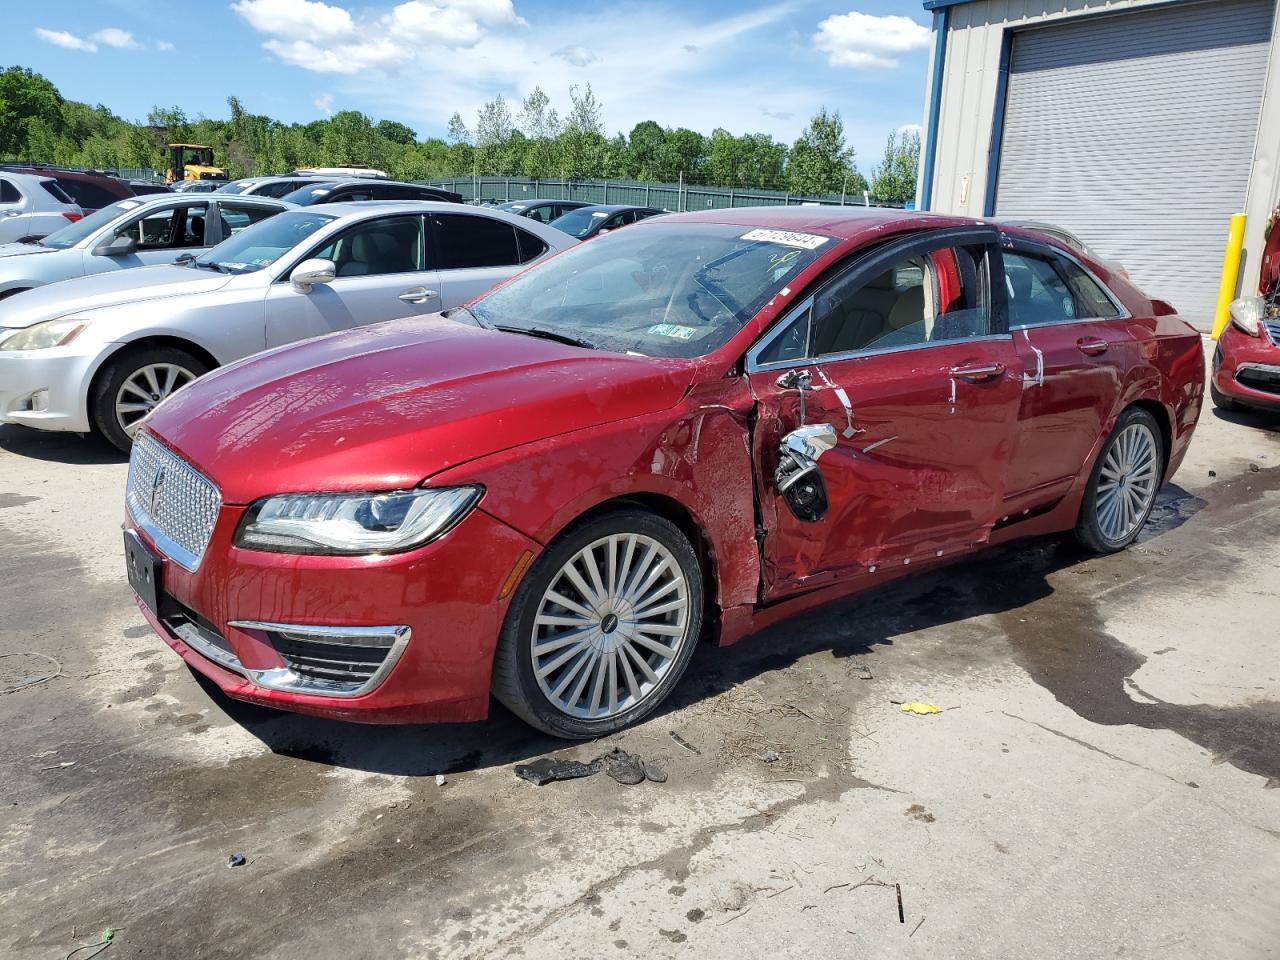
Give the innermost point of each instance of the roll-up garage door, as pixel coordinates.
(1135, 131)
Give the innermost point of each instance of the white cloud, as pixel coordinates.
(325, 38)
(578, 56)
(865, 41)
(115, 37)
(165, 46)
(911, 128)
(68, 41)
(324, 103)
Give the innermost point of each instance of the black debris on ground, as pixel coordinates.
(622, 767)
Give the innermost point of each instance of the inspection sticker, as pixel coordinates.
(673, 330)
(806, 241)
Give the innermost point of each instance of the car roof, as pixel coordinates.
(345, 208)
(24, 176)
(368, 181)
(845, 223)
(530, 203)
(615, 207)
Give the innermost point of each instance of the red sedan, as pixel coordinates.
(690, 428)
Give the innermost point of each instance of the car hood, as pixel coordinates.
(23, 249)
(105, 290)
(385, 406)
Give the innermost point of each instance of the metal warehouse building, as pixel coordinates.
(1139, 125)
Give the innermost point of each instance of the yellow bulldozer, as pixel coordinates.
(192, 161)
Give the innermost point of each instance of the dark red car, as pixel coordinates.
(690, 428)
(92, 190)
(1246, 362)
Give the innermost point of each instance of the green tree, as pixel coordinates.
(396, 132)
(25, 97)
(584, 151)
(820, 164)
(893, 180)
(541, 124)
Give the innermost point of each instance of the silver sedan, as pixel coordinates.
(100, 352)
(129, 233)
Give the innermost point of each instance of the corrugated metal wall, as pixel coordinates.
(1136, 132)
(968, 96)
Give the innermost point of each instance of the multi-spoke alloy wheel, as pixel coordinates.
(602, 627)
(1123, 486)
(1127, 483)
(140, 393)
(132, 383)
(610, 626)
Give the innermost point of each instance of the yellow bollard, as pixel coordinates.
(1230, 274)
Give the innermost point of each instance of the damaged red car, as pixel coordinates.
(687, 429)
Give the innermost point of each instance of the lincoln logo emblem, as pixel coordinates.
(157, 489)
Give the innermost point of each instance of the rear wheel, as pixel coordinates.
(133, 384)
(603, 626)
(1123, 485)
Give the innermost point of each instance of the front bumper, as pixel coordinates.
(1247, 369)
(46, 389)
(442, 601)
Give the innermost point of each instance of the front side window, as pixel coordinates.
(264, 243)
(385, 245)
(578, 223)
(1046, 288)
(73, 233)
(660, 290)
(171, 227)
(923, 298)
(464, 240)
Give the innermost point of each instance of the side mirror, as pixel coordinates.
(310, 272)
(810, 442)
(121, 245)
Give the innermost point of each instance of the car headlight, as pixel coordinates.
(354, 523)
(1247, 312)
(51, 333)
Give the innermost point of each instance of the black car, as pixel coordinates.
(543, 211)
(366, 188)
(586, 222)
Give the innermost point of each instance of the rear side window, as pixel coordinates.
(277, 190)
(89, 195)
(463, 241)
(530, 246)
(1045, 289)
(52, 189)
(9, 193)
(237, 216)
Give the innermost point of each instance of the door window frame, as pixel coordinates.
(1036, 248)
(435, 242)
(866, 265)
(423, 234)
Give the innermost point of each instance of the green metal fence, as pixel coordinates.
(125, 173)
(668, 196)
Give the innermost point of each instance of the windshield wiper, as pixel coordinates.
(545, 334)
(209, 265)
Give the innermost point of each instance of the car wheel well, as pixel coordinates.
(677, 513)
(148, 343)
(1161, 417)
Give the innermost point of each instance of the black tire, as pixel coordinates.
(112, 377)
(1223, 402)
(514, 681)
(1088, 527)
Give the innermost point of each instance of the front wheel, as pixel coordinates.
(602, 627)
(132, 385)
(1123, 485)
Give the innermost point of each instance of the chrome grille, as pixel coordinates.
(1273, 329)
(171, 500)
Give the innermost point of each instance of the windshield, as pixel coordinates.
(263, 243)
(659, 289)
(311, 193)
(236, 186)
(73, 233)
(578, 223)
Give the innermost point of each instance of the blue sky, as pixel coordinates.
(747, 66)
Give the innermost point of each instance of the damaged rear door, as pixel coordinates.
(897, 380)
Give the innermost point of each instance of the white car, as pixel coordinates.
(100, 352)
(130, 233)
(32, 206)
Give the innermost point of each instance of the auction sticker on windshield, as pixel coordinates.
(806, 241)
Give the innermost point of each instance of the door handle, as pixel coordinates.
(977, 374)
(1093, 346)
(417, 295)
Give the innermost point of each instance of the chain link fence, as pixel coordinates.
(674, 197)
